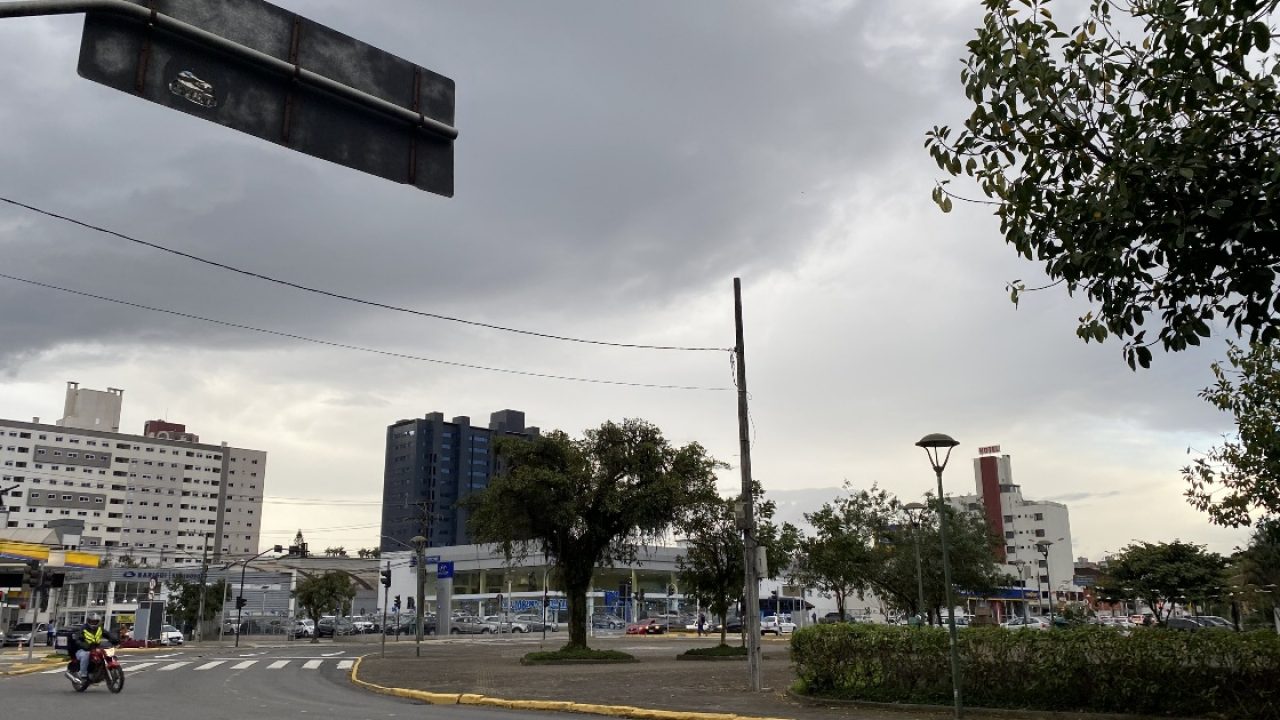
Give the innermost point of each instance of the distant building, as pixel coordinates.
(431, 466)
(155, 498)
(1023, 525)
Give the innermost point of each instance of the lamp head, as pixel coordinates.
(419, 542)
(933, 443)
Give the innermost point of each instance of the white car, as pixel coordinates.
(776, 625)
(1035, 622)
(170, 635)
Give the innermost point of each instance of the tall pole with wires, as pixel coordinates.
(747, 518)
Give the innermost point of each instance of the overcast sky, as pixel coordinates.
(618, 165)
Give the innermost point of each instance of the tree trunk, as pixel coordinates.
(576, 594)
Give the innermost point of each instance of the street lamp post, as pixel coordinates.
(914, 511)
(1043, 547)
(420, 546)
(240, 601)
(933, 444)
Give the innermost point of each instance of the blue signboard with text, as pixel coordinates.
(444, 571)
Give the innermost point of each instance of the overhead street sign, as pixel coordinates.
(271, 73)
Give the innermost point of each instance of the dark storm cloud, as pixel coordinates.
(613, 157)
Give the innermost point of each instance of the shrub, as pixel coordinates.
(1098, 669)
(575, 655)
(718, 651)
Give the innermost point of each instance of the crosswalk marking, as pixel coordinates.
(211, 665)
(175, 666)
(139, 666)
(245, 664)
(311, 664)
(345, 664)
(277, 664)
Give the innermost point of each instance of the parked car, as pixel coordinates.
(652, 626)
(1033, 622)
(508, 623)
(535, 623)
(363, 624)
(409, 626)
(1215, 622)
(170, 635)
(471, 624)
(833, 617)
(776, 625)
(607, 622)
(1182, 623)
(333, 627)
(20, 634)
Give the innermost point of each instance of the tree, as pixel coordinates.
(1247, 468)
(316, 594)
(1165, 574)
(970, 546)
(711, 568)
(183, 607)
(589, 502)
(1134, 157)
(840, 558)
(1260, 563)
(369, 553)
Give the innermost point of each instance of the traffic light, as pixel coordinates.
(31, 574)
(396, 604)
(624, 590)
(671, 591)
(241, 602)
(640, 594)
(411, 604)
(386, 577)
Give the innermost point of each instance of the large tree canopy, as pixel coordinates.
(1135, 157)
(589, 502)
(1247, 467)
(1166, 574)
(318, 594)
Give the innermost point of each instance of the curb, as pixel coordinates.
(947, 709)
(621, 711)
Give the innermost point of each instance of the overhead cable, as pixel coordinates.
(348, 298)
(358, 348)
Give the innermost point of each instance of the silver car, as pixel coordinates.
(472, 625)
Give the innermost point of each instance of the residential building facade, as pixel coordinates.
(154, 499)
(1028, 528)
(431, 467)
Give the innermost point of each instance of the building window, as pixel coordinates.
(1008, 534)
(1039, 533)
(1039, 517)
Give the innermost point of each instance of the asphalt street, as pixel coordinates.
(226, 684)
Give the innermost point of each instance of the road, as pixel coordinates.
(221, 683)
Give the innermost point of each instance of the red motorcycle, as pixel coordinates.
(103, 667)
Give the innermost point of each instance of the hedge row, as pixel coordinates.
(1152, 672)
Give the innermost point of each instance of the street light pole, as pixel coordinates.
(913, 512)
(1043, 547)
(933, 444)
(240, 598)
(420, 546)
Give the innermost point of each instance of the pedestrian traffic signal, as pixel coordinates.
(411, 604)
(241, 602)
(386, 577)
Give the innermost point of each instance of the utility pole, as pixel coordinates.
(204, 578)
(751, 613)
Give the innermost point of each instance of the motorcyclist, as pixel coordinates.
(89, 636)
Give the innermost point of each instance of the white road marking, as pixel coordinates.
(311, 664)
(345, 664)
(340, 652)
(244, 665)
(277, 664)
(132, 667)
(211, 665)
(174, 666)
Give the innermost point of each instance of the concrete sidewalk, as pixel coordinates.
(492, 668)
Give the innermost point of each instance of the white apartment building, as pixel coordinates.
(151, 498)
(1025, 525)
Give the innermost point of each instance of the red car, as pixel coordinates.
(652, 626)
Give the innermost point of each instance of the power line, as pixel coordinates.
(358, 348)
(349, 298)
